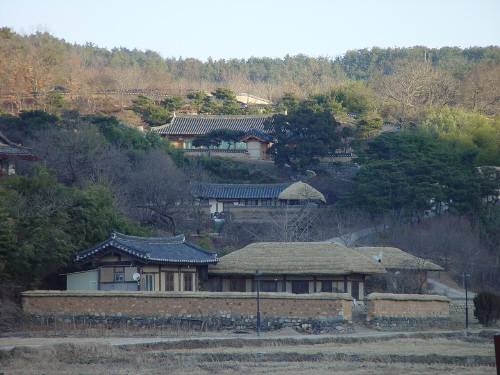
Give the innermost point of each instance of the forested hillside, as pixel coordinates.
(398, 82)
(424, 123)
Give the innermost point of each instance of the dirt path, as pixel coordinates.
(8, 343)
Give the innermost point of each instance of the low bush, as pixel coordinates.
(487, 308)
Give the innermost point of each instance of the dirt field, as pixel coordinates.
(281, 352)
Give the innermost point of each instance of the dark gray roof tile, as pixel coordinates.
(9, 150)
(202, 124)
(151, 250)
(243, 191)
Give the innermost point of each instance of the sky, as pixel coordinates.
(226, 29)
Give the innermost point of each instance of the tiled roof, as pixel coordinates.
(216, 150)
(202, 124)
(260, 134)
(240, 191)
(152, 250)
(285, 191)
(9, 150)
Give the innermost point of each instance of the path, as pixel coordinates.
(9, 343)
(450, 292)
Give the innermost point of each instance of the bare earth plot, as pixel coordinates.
(283, 352)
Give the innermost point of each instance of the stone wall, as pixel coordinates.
(385, 311)
(262, 214)
(321, 312)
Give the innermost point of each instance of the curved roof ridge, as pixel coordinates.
(125, 237)
(277, 184)
(260, 115)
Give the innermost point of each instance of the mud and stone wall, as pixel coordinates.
(385, 311)
(322, 312)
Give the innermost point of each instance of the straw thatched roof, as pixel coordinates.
(301, 191)
(394, 258)
(296, 258)
(406, 297)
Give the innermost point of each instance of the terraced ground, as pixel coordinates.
(418, 353)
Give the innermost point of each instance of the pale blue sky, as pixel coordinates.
(261, 28)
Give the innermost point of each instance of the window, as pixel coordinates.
(338, 287)
(216, 284)
(268, 286)
(226, 206)
(169, 281)
(119, 275)
(226, 145)
(300, 287)
(265, 202)
(188, 282)
(147, 282)
(252, 202)
(326, 286)
(237, 285)
(188, 143)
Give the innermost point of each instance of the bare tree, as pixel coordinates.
(79, 156)
(157, 191)
(411, 85)
(480, 90)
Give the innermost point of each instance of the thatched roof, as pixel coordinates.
(406, 297)
(301, 191)
(394, 258)
(296, 258)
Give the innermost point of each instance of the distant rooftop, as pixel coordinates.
(202, 124)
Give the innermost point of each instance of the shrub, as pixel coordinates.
(487, 308)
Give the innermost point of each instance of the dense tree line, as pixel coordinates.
(397, 82)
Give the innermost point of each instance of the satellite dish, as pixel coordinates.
(136, 276)
(378, 257)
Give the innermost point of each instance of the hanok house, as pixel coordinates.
(143, 263)
(10, 153)
(227, 198)
(410, 269)
(294, 267)
(182, 129)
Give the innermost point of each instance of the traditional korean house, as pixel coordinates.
(410, 270)
(294, 267)
(182, 129)
(143, 263)
(10, 153)
(224, 198)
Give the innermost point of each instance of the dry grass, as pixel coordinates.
(399, 346)
(419, 354)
